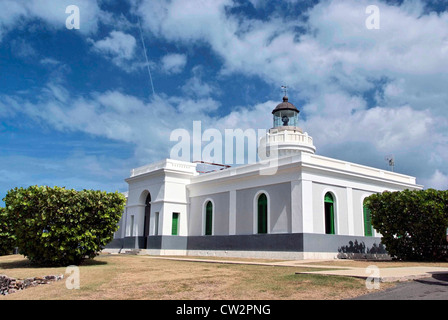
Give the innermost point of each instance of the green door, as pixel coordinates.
(175, 225)
(262, 214)
(368, 229)
(329, 213)
(209, 219)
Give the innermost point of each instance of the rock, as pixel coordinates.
(10, 285)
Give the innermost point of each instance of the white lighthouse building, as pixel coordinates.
(308, 207)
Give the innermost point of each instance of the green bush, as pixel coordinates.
(412, 223)
(7, 238)
(56, 226)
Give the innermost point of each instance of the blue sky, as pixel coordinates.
(77, 107)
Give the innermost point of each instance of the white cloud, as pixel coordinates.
(10, 12)
(49, 61)
(342, 118)
(196, 86)
(184, 20)
(338, 49)
(117, 44)
(119, 47)
(57, 92)
(22, 48)
(437, 181)
(173, 63)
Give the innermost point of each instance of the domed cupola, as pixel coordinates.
(285, 138)
(286, 114)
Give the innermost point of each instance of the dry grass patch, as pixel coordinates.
(122, 277)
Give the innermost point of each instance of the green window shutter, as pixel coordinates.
(262, 214)
(329, 213)
(368, 229)
(209, 219)
(175, 225)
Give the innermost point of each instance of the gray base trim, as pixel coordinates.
(256, 242)
(133, 242)
(342, 244)
(115, 244)
(288, 242)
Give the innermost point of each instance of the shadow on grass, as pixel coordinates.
(25, 263)
(18, 264)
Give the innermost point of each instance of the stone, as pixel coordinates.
(11, 285)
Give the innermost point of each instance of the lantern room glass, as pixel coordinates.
(284, 118)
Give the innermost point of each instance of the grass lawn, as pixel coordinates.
(141, 277)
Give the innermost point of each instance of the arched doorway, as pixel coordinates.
(146, 220)
(262, 214)
(209, 218)
(329, 213)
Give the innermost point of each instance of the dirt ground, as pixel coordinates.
(130, 277)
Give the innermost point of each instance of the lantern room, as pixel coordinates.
(286, 114)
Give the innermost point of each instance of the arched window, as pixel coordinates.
(368, 229)
(262, 214)
(329, 213)
(209, 218)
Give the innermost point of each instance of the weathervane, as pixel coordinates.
(285, 90)
(391, 161)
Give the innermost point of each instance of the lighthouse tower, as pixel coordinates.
(285, 137)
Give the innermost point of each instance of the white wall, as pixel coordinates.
(221, 217)
(296, 197)
(168, 194)
(340, 208)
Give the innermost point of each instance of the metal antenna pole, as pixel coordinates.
(391, 162)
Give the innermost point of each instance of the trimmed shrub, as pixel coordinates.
(60, 227)
(7, 238)
(413, 224)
